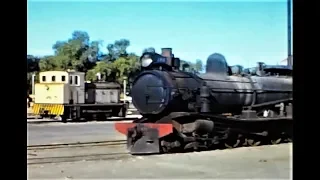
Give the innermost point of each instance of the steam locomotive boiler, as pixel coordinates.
(224, 106)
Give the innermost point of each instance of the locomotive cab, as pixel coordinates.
(76, 87)
(56, 89)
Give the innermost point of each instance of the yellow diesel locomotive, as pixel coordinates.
(66, 94)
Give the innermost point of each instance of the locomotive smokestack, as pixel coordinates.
(167, 52)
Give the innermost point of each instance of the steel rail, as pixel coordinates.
(76, 144)
(86, 157)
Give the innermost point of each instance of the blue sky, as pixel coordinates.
(243, 31)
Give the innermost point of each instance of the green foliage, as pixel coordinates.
(150, 49)
(117, 49)
(81, 54)
(116, 70)
(126, 67)
(102, 67)
(76, 53)
(32, 67)
(32, 63)
(196, 67)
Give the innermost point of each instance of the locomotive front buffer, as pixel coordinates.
(143, 138)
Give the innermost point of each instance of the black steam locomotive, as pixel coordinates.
(228, 106)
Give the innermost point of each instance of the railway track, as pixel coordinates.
(78, 144)
(47, 121)
(82, 151)
(92, 157)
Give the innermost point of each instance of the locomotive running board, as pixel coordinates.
(143, 138)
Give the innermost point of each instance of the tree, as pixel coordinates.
(116, 70)
(193, 67)
(77, 53)
(126, 66)
(102, 67)
(150, 49)
(117, 63)
(117, 49)
(32, 68)
(81, 54)
(32, 63)
(198, 66)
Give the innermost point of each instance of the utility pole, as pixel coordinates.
(289, 59)
(124, 89)
(33, 83)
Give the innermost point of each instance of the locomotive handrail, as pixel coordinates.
(272, 102)
(227, 80)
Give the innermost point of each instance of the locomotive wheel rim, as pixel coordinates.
(277, 141)
(257, 143)
(227, 146)
(164, 149)
(251, 142)
(232, 146)
(245, 142)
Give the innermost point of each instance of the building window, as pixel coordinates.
(53, 78)
(63, 78)
(44, 78)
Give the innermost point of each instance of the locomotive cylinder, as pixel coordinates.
(200, 126)
(203, 126)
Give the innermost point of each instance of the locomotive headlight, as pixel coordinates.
(146, 62)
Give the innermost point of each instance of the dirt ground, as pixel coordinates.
(50, 133)
(263, 162)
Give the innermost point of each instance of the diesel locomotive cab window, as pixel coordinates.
(53, 78)
(76, 80)
(63, 78)
(44, 78)
(70, 79)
